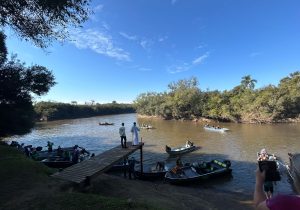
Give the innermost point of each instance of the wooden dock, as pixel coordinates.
(88, 169)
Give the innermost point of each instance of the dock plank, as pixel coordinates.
(96, 165)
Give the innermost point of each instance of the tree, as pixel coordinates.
(40, 21)
(248, 83)
(43, 21)
(18, 85)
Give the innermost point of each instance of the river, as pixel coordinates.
(239, 145)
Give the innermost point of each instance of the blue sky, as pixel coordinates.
(130, 47)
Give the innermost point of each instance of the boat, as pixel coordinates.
(57, 162)
(180, 150)
(198, 171)
(215, 128)
(146, 126)
(157, 171)
(63, 162)
(105, 123)
(43, 154)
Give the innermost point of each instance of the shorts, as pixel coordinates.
(268, 188)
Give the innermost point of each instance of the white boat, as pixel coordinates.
(213, 128)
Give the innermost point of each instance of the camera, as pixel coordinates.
(272, 174)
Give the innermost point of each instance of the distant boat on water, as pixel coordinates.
(105, 123)
(215, 128)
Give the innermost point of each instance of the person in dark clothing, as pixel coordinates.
(75, 156)
(49, 145)
(131, 164)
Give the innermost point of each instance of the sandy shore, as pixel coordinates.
(168, 196)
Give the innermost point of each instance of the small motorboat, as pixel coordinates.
(60, 162)
(188, 147)
(198, 171)
(215, 128)
(43, 154)
(105, 123)
(57, 162)
(143, 126)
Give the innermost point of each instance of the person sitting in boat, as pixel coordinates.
(189, 143)
(178, 168)
(263, 155)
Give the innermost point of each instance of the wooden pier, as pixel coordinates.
(86, 170)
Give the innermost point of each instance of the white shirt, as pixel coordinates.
(122, 131)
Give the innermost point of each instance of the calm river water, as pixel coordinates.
(239, 145)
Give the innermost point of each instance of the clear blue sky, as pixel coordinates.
(130, 47)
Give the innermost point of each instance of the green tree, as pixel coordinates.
(43, 21)
(248, 82)
(18, 85)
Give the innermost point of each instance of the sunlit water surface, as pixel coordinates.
(239, 145)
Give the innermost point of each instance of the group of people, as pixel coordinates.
(135, 135)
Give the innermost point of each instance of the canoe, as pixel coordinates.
(218, 129)
(150, 172)
(180, 150)
(105, 123)
(198, 171)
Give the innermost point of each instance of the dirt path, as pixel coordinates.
(169, 196)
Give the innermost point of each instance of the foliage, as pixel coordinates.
(18, 85)
(56, 111)
(241, 104)
(41, 21)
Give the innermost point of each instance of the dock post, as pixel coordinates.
(141, 157)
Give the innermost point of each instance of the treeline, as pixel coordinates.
(56, 111)
(244, 103)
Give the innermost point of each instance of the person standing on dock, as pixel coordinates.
(135, 134)
(123, 136)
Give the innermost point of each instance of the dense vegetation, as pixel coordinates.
(57, 111)
(18, 84)
(244, 103)
(40, 22)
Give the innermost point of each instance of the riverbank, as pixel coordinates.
(245, 121)
(37, 190)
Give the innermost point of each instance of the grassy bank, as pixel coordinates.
(25, 184)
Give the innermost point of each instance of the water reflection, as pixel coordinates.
(239, 145)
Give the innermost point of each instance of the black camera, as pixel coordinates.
(270, 166)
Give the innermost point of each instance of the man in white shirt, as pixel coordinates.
(123, 136)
